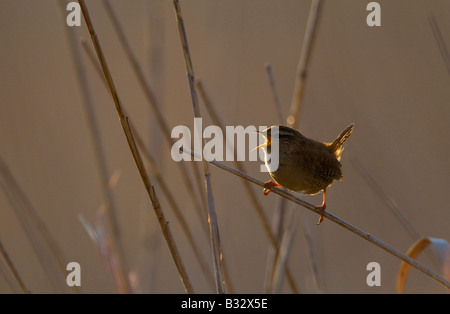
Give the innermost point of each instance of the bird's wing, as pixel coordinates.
(323, 164)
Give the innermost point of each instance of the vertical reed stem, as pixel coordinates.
(212, 218)
(136, 155)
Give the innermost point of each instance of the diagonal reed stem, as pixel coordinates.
(136, 155)
(212, 217)
(162, 121)
(440, 41)
(43, 242)
(273, 89)
(308, 41)
(250, 192)
(13, 269)
(100, 157)
(279, 214)
(367, 236)
(299, 86)
(282, 256)
(175, 207)
(161, 182)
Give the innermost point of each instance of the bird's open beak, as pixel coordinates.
(263, 144)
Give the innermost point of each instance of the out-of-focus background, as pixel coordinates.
(391, 81)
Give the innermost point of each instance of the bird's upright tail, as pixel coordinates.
(336, 146)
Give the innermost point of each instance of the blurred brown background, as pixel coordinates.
(391, 81)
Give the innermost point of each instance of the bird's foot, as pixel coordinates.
(322, 210)
(268, 185)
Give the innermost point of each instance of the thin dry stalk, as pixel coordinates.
(297, 97)
(278, 217)
(212, 218)
(13, 269)
(367, 236)
(136, 155)
(161, 182)
(273, 89)
(99, 153)
(282, 257)
(391, 204)
(312, 257)
(93, 59)
(250, 192)
(100, 238)
(303, 62)
(389, 201)
(440, 41)
(176, 209)
(43, 243)
(162, 122)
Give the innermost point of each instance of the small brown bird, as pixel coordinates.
(304, 165)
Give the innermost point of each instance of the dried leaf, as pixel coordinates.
(441, 249)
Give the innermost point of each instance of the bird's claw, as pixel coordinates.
(322, 210)
(268, 185)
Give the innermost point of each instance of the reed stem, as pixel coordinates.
(136, 155)
(365, 235)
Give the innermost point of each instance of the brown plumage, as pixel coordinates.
(305, 165)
